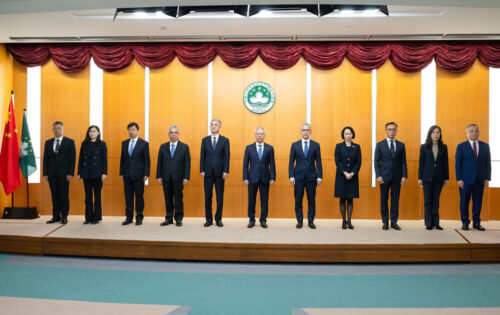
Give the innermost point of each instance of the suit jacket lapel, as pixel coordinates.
(301, 148)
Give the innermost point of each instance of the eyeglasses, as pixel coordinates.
(305, 130)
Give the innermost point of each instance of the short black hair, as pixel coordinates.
(348, 128)
(57, 122)
(391, 123)
(133, 124)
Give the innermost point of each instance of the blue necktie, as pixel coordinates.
(306, 149)
(214, 143)
(260, 152)
(131, 149)
(172, 150)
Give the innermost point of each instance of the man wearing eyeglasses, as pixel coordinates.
(391, 173)
(305, 172)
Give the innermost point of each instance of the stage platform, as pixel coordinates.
(281, 242)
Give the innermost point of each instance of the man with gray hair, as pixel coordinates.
(473, 172)
(259, 172)
(172, 172)
(214, 168)
(305, 172)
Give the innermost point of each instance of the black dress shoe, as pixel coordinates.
(479, 227)
(219, 224)
(385, 226)
(263, 224)
(312, 225)
(429, 227)
(207, 224)
(126, 222)
(178, 223)
(250, 225)
(349, 225)
(53, 220)
(438, 227)
(395, 226)
(94, 222)
(465, 227)
(164, 223)
(86, 222)
(344, 225)
(299, 225)
(138, 222)
(64, 221)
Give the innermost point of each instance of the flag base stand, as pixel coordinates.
(20, 213)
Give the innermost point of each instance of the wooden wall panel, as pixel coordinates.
(462, 99)
(282, 125)
(174, 102)
(65, 97)
(341, 97)
(123, 102)
(398, 100)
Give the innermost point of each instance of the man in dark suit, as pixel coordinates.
(391, 173)
(473, 171)
(59, 159)
(214, 168)
(134, 170)
(172, 171)
(305, 171)
(259, 172)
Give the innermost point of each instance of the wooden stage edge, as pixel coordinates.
(245, 252)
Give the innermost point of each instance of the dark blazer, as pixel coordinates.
(62, 163)
(468, 168)
(347, 159)
(93, 161)
(302, 168)
(174, 168)
(255, 170)
(387, 166)
(214, 162)
(430, 169)
(136, 166)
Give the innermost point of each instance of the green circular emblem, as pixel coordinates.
(259, 97)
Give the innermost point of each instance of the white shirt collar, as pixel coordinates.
(472, 142)
(308, 140)
(174, 143)
(60, 138)
(134, 139)
(216, 137)
(257, 145)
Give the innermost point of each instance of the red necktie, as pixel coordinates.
(475, 149)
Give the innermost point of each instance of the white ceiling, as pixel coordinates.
(76, 19)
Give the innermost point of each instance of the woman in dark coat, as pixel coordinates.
(348, 161)
(93, 168)
(433, 174)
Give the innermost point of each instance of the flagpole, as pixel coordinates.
(27, 187)
(12, 194)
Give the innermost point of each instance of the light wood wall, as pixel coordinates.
(340, 97)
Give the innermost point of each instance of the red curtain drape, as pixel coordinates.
(406, 56)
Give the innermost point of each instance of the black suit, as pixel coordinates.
(172, 171)
(214, 163)
(57, 166)
(433, 173)
(92, 164)
(133, 168)
(306, 170)
(259, 172)
(391, 169)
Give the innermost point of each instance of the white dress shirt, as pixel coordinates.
(472, 146)
(130, 143)
(55, 143)
(389, 143)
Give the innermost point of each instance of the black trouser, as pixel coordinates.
(172, 191)
(311, 199)
(264, 201)
(476, 192)
(134, 187)
(209, 183)
(59, 189)
(394, 186)
(93, 209)
(432, 191)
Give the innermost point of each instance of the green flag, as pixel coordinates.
(27, 160)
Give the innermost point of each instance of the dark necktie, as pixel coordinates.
(393, 150)
(475, 148)
(214, 143)
(58, 144)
